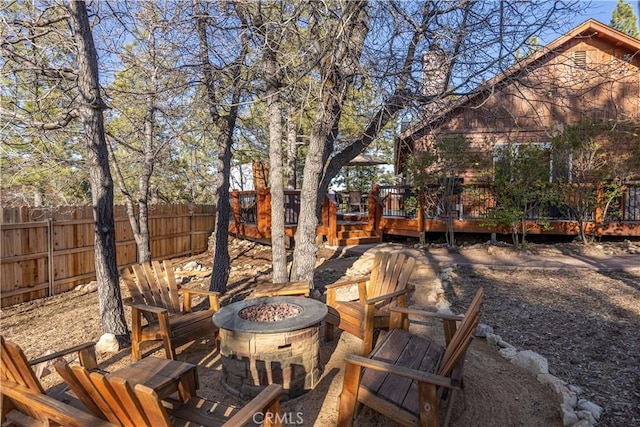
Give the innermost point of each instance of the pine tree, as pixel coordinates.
(624, 19)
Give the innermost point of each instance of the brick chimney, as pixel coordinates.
(435, 70)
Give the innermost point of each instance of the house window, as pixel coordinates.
(523, 160)
(532, 159)
(580, 59)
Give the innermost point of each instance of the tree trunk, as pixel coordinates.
(142, 237)
(225, 126)
(292, 149)
(221, 258)
(304, 254)
(90, 109)
(279, 254)
(337, 76)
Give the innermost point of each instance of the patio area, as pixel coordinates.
(489, 377)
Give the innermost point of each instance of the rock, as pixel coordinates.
(190, 266)
(493, 339)
(508, 353)
(586, 415)
(497, 340)
(107, 344)
(432, 297)
(491, 250)
(531, 361)
(45, 368)
(582, 423)
(569, 417)
(91, 287)
(585, 405)
(316, 294)
(446, 273)
(347, 293)
(444, 307)
(559, 387)
(482, 330)
(576, 389)
(568, 397)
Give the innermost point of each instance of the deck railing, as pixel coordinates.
(403, 210)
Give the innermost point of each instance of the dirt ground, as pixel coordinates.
(584, 322)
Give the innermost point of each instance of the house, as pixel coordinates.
(591, 75)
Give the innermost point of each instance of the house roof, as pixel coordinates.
(589, 28)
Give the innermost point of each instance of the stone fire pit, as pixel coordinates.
(270, 340)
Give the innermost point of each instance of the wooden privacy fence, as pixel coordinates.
(48, 251)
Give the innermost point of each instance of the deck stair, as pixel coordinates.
(356, 233)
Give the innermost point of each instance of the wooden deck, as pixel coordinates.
(389, 213)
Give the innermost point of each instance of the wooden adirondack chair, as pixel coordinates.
(386, 285)
(301, 289)
(407, 376)
(24, 401)
(155, 295)
(114, 399)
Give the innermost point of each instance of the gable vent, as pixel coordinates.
(580, 59)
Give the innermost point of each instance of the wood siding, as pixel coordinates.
(591, 76)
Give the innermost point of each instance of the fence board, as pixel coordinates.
(29, 270)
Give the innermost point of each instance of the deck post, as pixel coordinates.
(421, 203)
(235, 209)
(263, 217)
(375, 209)
(332, 222)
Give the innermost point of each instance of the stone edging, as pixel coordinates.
(575, 412)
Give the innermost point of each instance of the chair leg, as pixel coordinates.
(328, 331)
(136, 328)
(428, 398)
(452, 398)
(349, 395)
(168, 348)
(135, 350)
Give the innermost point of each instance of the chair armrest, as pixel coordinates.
(51, 408)
(214, 298)
(428, 314)
(402, 371)
(387, 296)
(57, 354)
(347, 282)
(267, 401)
(148, 308)
(198, 292)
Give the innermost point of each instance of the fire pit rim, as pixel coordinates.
(312, 312)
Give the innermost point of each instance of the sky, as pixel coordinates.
(601, 11)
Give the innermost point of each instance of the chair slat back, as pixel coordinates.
(173, 286)
(153, 284)
(154, 410)
(161, 288)
(111, 399)
(15, 367)
(463, 335)
(139, 271)
(390, 273)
